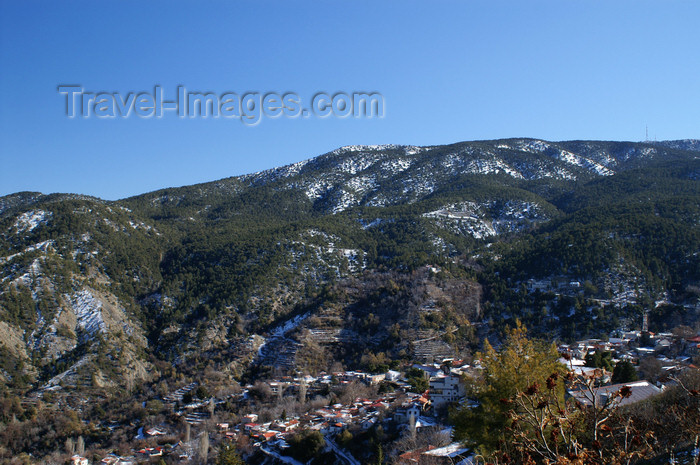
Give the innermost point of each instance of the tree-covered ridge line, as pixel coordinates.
(242, 233)
(434, 252)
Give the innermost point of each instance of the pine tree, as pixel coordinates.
(520, 363)
(380, 454)
(228, 455)
(624, 372)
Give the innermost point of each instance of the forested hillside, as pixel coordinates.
(367, 256)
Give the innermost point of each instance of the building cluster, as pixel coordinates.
(674, 352)
(666, 354)
(400, 408)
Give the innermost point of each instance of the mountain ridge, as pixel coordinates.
(381, 245)
(678, 144)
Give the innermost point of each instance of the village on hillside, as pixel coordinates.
(413, 402)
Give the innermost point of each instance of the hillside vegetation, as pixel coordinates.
(365, 256)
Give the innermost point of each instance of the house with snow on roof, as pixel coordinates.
(626, 394)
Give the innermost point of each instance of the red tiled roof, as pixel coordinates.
(414, 455)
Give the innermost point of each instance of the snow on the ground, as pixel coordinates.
(487, 219)
(88, 310)
(412, 149)
(379, 200)
(396, 165)
(363, 148)
(343, 201)
(282, 458)
(418, 186)
(331, 239)
(362, 184)
(357, 163)
(532, 146)
(469, 216)
(42, 246)
(274, 174)
(35, 267)
(491, 166)
(599, 167)
(113, 225)
(54, 382)
(28, 221)
(318, 188)
(583, 162)
(355, 258)
(279, 331)
(558, 172)
(372, 223)
(288, 325)
(139, 225)
(30, 274)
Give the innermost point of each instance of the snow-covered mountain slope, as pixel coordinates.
(216, 262)
(392, 174)
(59, 257)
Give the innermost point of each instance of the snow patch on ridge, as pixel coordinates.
(88, 310)
(274, 174)
(362, 184)
(490, 218)
(396, 165)
(318, 189)
(356, 164)
(583, 162)
(28, 221)
(342, 201)
(363, 148)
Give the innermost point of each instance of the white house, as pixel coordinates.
(445, 389)
(404, 414)
(78, 460)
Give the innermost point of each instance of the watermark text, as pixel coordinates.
(249, 107)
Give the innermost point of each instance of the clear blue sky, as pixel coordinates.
(449, 71)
